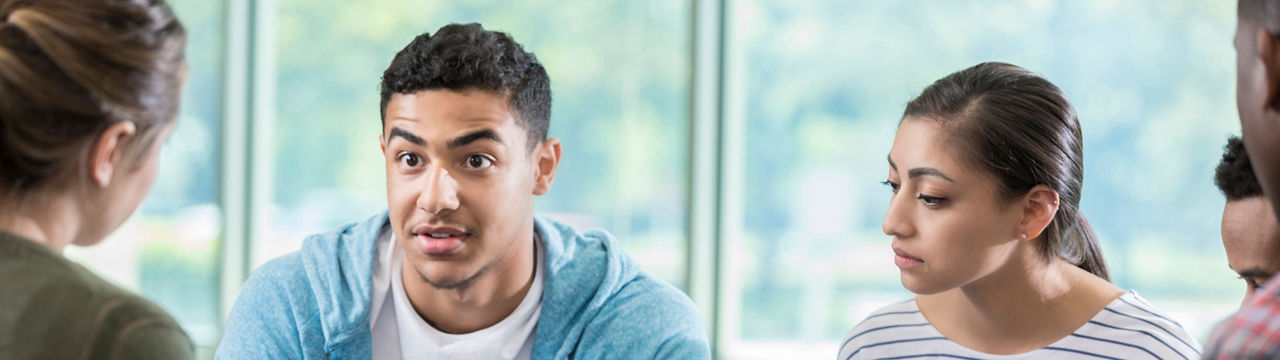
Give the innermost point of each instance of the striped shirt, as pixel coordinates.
(1128, 328)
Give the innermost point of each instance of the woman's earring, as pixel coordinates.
(1023, 236)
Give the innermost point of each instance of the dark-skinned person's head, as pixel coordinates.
(1257, 44)
(465, 113)
(1249, 334)
(1250, 232)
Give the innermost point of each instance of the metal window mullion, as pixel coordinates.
(732, 181)
(705, 166)
(234, 151)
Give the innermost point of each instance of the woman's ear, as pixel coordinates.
(1039, 208)
(107, 151)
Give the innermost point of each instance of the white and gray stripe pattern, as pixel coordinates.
(1128, 328)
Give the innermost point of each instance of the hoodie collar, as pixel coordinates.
(582, 270)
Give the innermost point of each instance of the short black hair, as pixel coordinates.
(1234, 175)
(1265, 13)
(466, 56)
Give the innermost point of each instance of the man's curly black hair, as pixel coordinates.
(466, 57)
(1234, 175)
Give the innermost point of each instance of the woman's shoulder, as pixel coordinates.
(138, 329)
(1131, 320)
(897, 322)
(896, 313)
(63, 308)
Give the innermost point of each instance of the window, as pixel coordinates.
(169, 250)
(619, 77)
(819, 86)
(783, 110)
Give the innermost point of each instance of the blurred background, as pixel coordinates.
(733, 146)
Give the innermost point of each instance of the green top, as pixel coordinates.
(52, 308)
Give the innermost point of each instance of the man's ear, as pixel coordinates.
(1038, 210)
(382, 143)
(547, 159)
(1267, 51)
(107, 151)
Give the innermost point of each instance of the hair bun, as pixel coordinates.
(69, 68)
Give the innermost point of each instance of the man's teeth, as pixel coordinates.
(438, 236)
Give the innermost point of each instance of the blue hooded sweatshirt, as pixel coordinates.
(596, 303)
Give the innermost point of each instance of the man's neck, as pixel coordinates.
(490, 298)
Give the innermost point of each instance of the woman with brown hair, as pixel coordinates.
(89, 90)
(986, 172)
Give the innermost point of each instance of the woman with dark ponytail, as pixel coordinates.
(986, 172)
(89, 90)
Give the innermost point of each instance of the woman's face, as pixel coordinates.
(130, 183)
(947, 219)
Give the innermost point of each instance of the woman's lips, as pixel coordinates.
(905, 261)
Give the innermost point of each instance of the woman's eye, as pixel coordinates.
(892, 185)
(477, 161)
(410, 160)
(930, 200)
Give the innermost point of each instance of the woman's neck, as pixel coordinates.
(1025, 305)
(50, 221)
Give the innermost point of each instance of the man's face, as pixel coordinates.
(460, 182)
(1251, 235)
(1259, 122)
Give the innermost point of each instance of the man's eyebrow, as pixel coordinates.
(473, 137)
(1255, 272)
(891, 164)
(395, 131)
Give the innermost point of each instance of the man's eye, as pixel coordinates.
(410, 160)
(477, 161)
(1260, 282)
(1252, 283)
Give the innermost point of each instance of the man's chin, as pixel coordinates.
(452, 281)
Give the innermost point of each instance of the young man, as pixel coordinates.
(1254, 331)
(1250, 232)
(459, 266)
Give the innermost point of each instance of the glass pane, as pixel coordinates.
(619, 73)
(168, 250)
(823, 84)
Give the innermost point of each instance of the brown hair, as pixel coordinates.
(71, 68)
(1020, 128)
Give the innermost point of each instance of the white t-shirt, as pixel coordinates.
(400, 333)
(1128, 328)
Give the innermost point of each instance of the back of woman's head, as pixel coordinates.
(71, 68)
(1020, 128)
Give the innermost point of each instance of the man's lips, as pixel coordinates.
(439, 240)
